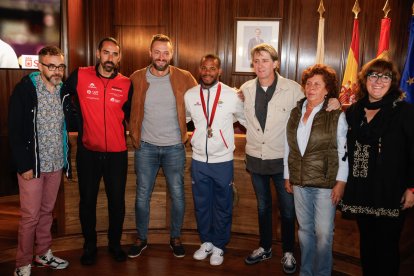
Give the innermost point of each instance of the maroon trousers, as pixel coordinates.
(37, 200)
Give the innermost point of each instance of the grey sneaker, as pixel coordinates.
(258, 255)
(289, 263)
(50, 261)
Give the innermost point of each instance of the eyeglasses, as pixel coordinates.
(53, 67)
(385, 78)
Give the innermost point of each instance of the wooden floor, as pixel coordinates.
(157, 259)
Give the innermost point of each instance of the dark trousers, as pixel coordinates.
(213, 200)
(379, 245)
(91, 167)
(261, 185)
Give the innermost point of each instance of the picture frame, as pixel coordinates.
(248, 32)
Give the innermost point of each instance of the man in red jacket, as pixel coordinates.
(102, 103)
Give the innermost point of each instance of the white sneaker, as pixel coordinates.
(23, 270)
(217, 256)
(50, 261)
(204, 251)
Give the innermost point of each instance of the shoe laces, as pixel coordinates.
(175, 242)
(259, 251)
(139, 242)
(288, 259)
(49, 256)
(217, 251)
(206, 246)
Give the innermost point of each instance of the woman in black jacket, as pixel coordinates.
(381, 162)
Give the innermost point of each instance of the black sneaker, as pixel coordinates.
(258, 255)
(177, 247)
(136, 249)
(289, 263)
(117, 253)
(89, 256)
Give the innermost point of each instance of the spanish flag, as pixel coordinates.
(384, 41)
(349, 83)
(407, 79)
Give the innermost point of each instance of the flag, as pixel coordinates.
(384, 41)
(320, 50)
(407, 79)
(349, 83)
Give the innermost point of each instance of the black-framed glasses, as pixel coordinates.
(385, 78)
(53, 67)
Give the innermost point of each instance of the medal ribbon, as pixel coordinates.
(203, 103)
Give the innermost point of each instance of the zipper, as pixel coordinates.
(208, 118)
(104, 111)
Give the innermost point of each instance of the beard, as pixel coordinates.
(108, 66)
(159, 67)
(210, 81)
(55, 79)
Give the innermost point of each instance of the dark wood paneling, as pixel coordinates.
(77, 32)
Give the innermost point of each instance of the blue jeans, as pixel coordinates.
(148, 160)
(261, 184)
(315, 213)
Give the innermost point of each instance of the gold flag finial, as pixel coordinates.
(386, 9)
(321, 9)
(356, 9)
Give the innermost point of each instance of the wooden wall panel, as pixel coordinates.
(195, 15)
(135, 42)
(77, 27)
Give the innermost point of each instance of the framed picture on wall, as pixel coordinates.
(248, 33)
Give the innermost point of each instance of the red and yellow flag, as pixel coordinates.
(349, 83)
(384, 41)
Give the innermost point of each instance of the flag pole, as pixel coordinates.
(384, 39)
(386, 9)
(321, 9)
(320, 48)
(356, 9)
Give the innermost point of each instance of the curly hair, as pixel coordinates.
(329, 78)
(380, 66)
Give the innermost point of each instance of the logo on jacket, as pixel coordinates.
(117, 89)
(197, 104)
(114, 100)
(91, 86)
(92, 92)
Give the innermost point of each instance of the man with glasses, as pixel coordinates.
(102, 100)
(38, 141)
